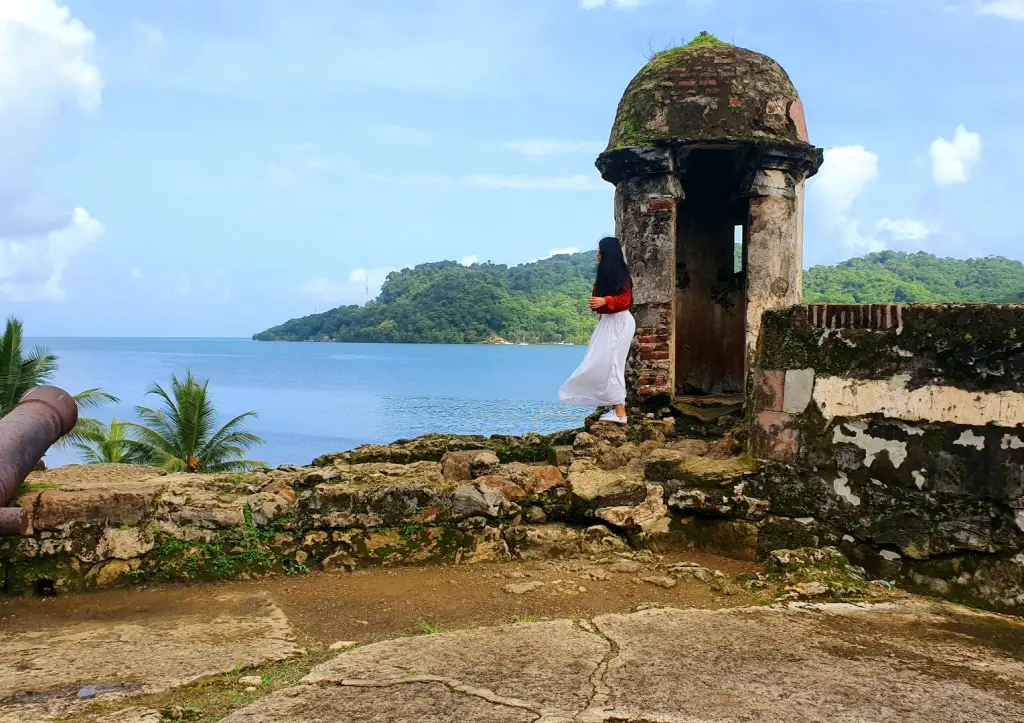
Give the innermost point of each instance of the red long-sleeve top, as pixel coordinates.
(615, 304)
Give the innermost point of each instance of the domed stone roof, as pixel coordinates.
(709, 91)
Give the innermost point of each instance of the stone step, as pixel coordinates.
(669, 465)
(709, 401)
(703, 410)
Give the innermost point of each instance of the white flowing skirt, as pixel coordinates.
(600, 380)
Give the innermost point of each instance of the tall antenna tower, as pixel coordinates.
(366, 290)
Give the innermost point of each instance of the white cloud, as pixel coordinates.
(541, 148)
(136, 274)
(952, 160)
(45, 64)
(904, 229)
(469, 260)
(149, 36)
(32, 267)
(854, 241)
(844, 175)
(888, 233)
(560, 252)
(1008, 9)
(362, 284)
(403, 136)
(577, 182)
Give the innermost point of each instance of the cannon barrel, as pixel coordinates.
(44, 415)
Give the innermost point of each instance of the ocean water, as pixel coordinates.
(318, 398)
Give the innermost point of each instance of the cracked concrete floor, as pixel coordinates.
(693, 654)
(42, 669)
(910, 662)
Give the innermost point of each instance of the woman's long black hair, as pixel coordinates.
(612, 272)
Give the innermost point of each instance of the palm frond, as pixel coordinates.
(92, 398)
(232, 433)
(156, 420)
(86, 431)
(20, 372)
(97, 443)
(152, 441)
(196, 412)
(237, 465)
(169, 406)
(181, 434)
(87, 454)
(168, 462)
(43, 365)
(10, 364)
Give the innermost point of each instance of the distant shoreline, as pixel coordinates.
(448, 303)
(413, 343)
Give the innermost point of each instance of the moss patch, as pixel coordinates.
(213, 698)
(706, 39)
(930, 346)
(816, 572)
(666, 58)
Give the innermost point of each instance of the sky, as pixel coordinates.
(193, 168)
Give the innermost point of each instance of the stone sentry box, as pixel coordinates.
(709, 140)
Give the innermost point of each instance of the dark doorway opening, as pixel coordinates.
(710, 275)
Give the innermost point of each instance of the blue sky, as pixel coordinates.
(214, 167)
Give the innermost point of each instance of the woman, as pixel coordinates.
(600, 380)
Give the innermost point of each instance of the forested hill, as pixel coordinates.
(893, 277)
(446, 302)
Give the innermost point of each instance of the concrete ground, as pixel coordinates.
(590, 644)
(905, 663)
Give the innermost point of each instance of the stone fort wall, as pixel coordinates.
(900, 431)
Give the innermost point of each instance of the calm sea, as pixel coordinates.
(317, 398)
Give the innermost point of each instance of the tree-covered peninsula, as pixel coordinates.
(448, 303)
(545, 301)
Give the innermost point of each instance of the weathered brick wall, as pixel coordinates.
(900, 429)
(645, 211)
(649, 366)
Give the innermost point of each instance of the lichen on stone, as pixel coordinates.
(816, 573)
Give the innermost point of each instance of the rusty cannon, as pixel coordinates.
(44, 415)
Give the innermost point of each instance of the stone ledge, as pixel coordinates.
(98, 527)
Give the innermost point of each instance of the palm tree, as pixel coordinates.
(98, 444)
(180, 436)
(21, 371)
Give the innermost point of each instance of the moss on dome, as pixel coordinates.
(705, 39)
(708, 90)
